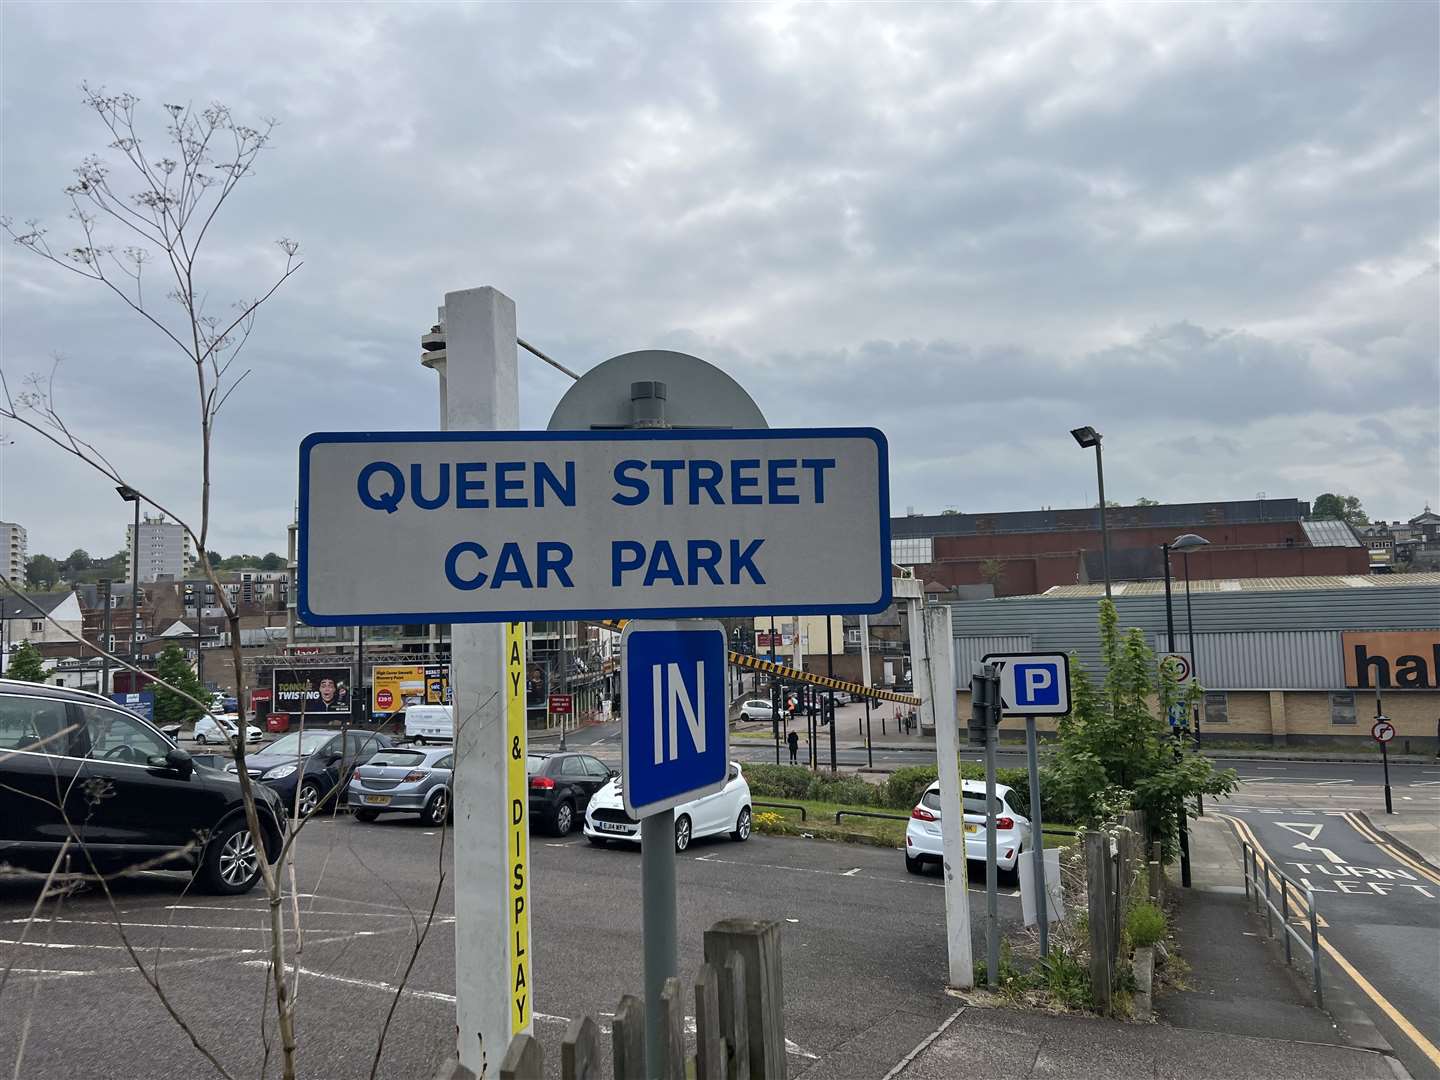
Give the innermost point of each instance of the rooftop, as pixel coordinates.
(1276, 584)
(1330, 534)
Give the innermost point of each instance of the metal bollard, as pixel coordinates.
(1285, 914)
(1245, 867)
(1314, 948)
(1269, 920)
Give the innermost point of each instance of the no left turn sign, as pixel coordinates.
(1382, 731)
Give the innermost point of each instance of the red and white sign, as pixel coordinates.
(384, 699)
(560, 705)
(1382, 731)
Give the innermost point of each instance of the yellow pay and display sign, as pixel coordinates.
(518, 840)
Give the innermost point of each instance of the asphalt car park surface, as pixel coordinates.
(861, 939)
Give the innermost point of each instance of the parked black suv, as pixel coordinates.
(75, 766)
(561, 786)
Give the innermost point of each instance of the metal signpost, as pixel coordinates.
(1031, 685)
(674, 747)
(632, 504)
(1382, 731)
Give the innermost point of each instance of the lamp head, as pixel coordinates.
(1188, 542)
(1086, 436)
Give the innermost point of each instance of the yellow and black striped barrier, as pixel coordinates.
(780, 671)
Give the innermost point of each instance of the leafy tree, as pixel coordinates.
(214, 557)
(272, 561)
(1332, 507)
(26, 663)
(79, 559)
(1116, 749)
(992, 571)
(170, 707)
(1142, 501)
(41, 571)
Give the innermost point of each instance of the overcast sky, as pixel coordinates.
(1208, 230)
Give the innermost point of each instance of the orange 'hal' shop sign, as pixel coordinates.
(1392, 659)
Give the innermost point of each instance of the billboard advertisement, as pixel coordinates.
(311, 690)
(397, 686)
(141, 704)
(1392, 659)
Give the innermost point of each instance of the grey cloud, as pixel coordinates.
(1199, 228)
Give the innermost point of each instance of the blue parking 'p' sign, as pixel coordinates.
(674, 734)
(1033, 684)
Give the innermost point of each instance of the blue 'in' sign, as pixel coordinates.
(1037, 684)
(675, 718)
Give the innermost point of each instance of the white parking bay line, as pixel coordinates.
(851, 873)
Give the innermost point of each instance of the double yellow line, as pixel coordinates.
(1424, 1045)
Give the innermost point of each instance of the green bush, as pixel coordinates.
(1145, 923)
(778, 781)
(903, 788)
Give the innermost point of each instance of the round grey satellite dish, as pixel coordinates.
(655, 388)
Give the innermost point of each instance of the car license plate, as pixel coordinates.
(378, 800)
(611, 826)
(972, 829)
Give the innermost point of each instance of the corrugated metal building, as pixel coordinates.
(1282, 659)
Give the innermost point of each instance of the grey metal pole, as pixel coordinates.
(869, 748)
(1314, 947)
(1194, 667)
(992, 871)
(1037, 854)
(830, 671)
(1104, 528)
(105, 637)
(135, 593)
(658, 919)
(1169, 607)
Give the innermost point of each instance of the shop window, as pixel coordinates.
(1342, 707)
(1217, 708)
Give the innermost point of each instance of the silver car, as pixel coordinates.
(404, 779)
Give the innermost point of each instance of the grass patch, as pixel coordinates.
(879, 832)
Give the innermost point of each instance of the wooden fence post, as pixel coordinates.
(627, 1039)
(1097, 874)
(758, 941)
(580, 1051)
(710, 1054)
(733, 995)
(672, 1024)
(525, 1060)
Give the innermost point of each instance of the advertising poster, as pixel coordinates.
(311, 690)
(395, 687)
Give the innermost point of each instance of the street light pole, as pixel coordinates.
(130, 495)
(1087, 437)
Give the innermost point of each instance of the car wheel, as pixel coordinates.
(682, 832)
(309, 800)
(564, 819)
(419, 740)
(200, 737)
(597, 841)
(742, 826)
(915, 866)
(231, 864)
(366, 815)
(437, 810)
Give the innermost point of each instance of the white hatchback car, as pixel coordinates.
(727, 811)
(222, 729)
(756, 709)
(922, 834)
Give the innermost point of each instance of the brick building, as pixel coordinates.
(1027, 552)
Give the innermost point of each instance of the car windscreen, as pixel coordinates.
(404, 758)
(299, 743)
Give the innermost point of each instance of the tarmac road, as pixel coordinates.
(861, 939)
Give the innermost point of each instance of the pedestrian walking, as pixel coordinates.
(793, 741)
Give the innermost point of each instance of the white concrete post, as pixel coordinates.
(938, 693)
(865, 650)
(479, 387)
(912, 592)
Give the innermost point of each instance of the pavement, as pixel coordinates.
(1241, 1014)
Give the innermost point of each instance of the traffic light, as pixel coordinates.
(984, 704)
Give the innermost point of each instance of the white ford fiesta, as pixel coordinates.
(727, 811)
(922, 834)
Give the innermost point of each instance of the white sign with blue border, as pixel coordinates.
(1032, 684)
(435, 527)
(674, 734)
